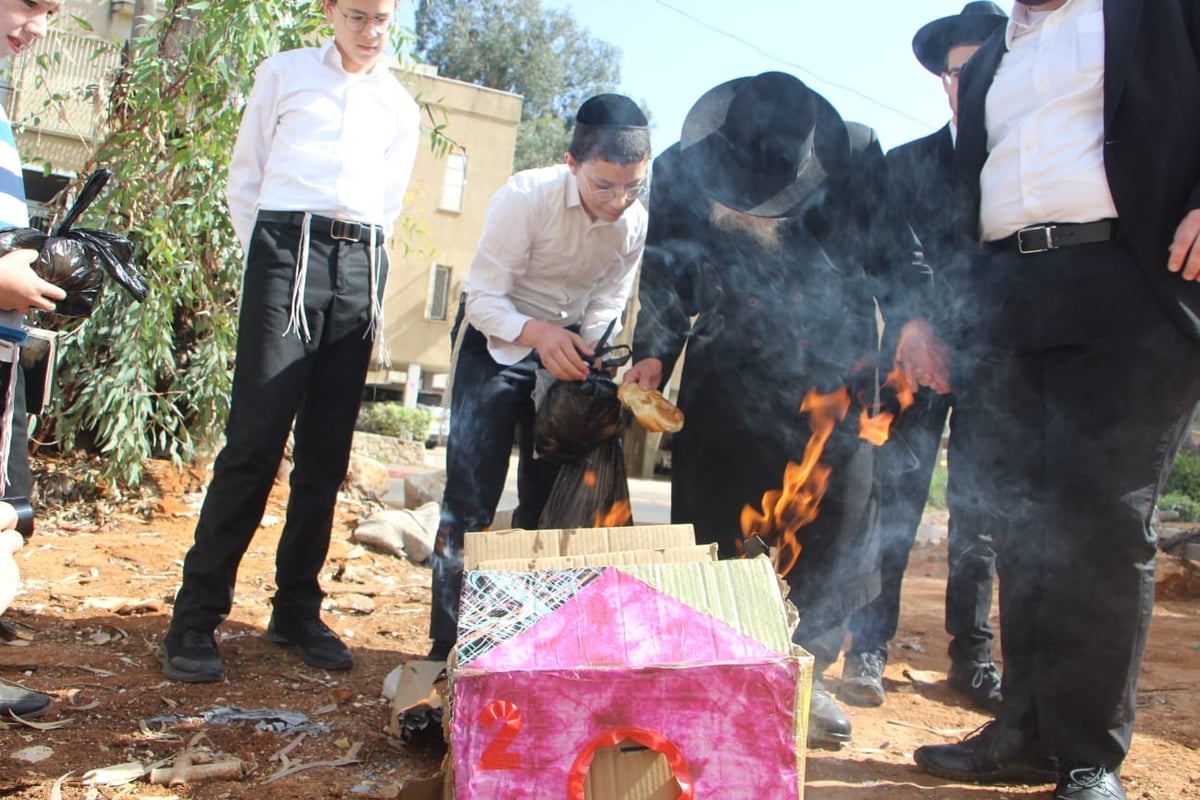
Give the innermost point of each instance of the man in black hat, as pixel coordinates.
(923, 182)
(769, 241)
(554, 267)
(1079, 146)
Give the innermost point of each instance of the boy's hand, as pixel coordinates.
(21, 288)
(562, 351)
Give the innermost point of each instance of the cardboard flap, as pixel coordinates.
(484, 546)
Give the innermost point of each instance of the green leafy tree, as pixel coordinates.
(152, 379)
(518, 46)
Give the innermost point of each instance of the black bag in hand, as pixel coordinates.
(590, 493)
(76, 259)
(575, 417)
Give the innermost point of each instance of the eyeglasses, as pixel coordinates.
(950, 75)
(606, 194)
(358, 21)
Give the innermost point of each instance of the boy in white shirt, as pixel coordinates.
(555, 265)
(317, 179)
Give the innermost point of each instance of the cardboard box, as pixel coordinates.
(481, 548)
(650, 680)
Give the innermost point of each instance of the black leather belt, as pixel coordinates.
(339, 229)
(1053, 236)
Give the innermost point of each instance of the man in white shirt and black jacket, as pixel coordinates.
(1079, 147)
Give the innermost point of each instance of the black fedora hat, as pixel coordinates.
(975, 23)
(761, 144)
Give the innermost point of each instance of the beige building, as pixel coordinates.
(447, 201)
(432, 244)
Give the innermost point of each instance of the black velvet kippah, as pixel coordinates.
(611, 109)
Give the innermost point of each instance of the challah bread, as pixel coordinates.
(652, 411)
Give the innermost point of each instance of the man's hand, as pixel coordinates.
(562, 351)
(646, 373)
(21, 288)
(924, 358)
(1185, 249)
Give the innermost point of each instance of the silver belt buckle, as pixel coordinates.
(345, 231)
(1047, 230)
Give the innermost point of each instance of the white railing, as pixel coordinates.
(66, 97)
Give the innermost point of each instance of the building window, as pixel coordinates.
(438, 302)
(454, 182)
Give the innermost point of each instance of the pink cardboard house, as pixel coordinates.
(691, 661)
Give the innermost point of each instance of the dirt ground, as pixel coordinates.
(96, 603)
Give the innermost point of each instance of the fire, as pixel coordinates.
(788, 509)
(876, 429)
(618, 514)
(590, 478)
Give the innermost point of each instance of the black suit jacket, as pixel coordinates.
(923, 182)
(1151, 132)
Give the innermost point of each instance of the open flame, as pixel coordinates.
(788, 509)
(620, 513)
(876, 429)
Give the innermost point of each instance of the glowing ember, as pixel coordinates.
(619, 514)
(788, 509)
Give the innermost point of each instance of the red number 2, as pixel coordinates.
(497, 756)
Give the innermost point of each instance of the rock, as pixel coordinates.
(424, 488)
(367, 477)
(1176, 577)
(404, 532)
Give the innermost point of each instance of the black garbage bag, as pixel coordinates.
(574, 417)
(592, 492)
(77, 259)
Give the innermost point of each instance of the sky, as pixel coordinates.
(857, 54)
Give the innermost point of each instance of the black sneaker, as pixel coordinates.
(21, 702)
(1087, 782)
(312, 641)
(990, 754)
(862, 679)
(190, 655)
(979, 681)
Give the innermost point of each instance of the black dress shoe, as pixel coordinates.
(21, 702)
(992, 754)
(827, 725)
(190, 655)
(1085, 782)
(312, 641)
(862, 679)
(979, 681)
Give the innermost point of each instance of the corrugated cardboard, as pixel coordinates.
(612, 669)
(518, 543)
(662, 555)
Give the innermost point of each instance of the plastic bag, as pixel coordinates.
(592, 492)
(574, 417)
(77, 259)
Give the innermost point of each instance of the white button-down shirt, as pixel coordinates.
(540, 257)
(316, 138)
(1045, 123)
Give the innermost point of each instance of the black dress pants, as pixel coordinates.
(904, 470)
(492, 406)
(280, 379)
(1082, 389)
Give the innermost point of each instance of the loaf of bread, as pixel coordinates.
(652, 411)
